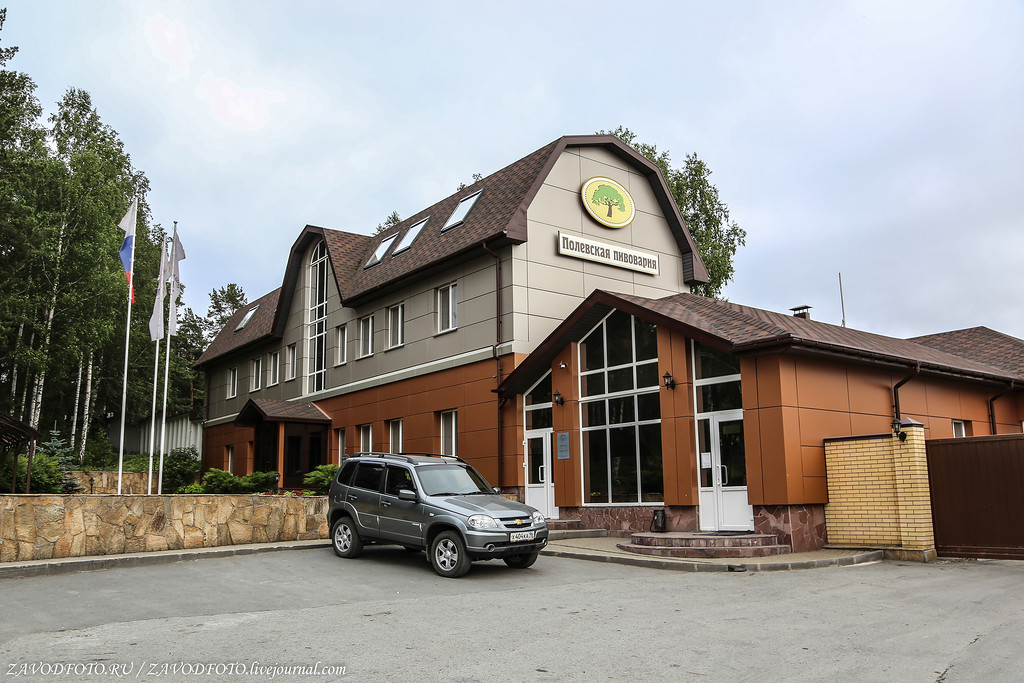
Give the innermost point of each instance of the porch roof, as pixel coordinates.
(272, 410)
(744, 330)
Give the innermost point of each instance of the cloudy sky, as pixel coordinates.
(883, 140)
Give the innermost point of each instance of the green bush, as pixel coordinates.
(260, 482)
(47, 476)
(320, 479)
(194, 488)
(219, 481)
(181, 466)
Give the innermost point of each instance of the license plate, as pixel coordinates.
(521, 536)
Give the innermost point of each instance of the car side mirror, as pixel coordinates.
(406, 494)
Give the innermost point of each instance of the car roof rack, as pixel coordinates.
(407, 456)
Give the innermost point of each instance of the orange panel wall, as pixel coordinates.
(679, 459)
(792, 404)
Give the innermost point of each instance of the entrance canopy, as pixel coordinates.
(258, 410)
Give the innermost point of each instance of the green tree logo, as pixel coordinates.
(608, 202)
(606, 195)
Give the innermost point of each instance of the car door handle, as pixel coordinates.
(385, 504)
(352, 497)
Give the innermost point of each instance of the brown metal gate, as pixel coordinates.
(977, 492)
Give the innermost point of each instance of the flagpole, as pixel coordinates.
(127, 339)
(152, 412)
(167, 362)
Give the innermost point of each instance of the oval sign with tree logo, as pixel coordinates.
(608, 202)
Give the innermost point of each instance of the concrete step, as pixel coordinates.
(563, 534)
(705, 551)
(691, 539)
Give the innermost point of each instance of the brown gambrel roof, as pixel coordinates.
(981, 344)
(498, 218)
(744, 330)
(258, 328)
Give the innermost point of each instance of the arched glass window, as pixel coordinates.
(316, 360)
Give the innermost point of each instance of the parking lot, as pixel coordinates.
(387, 616)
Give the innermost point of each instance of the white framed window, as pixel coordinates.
(291, 360)
(255, 373)
(449, 432)
(232, 382)
(229, 458)
(341, 340)
(395, 436)
(396, 326)
(247, 317)
(461, 211)
(366, 336)
(409, 237)
(447, 305)
(959, 429)
(365, 438)
(274, 371)
(316, 321)
(381, 249)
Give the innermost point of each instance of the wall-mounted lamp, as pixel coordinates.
(897, 428)
(669, 382)
(562, 365)
(557, 399)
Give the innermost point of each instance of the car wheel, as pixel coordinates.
(345, 539)
(521, 561)
(448, 555)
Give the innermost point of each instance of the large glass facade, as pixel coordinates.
(621, 412)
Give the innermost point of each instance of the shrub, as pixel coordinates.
(193, 488)
(180, 468)
(320, 479)
(219, 481)
(260, 482)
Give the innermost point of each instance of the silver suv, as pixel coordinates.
(430, 502)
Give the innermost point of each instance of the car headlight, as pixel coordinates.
(482, 522)
(538, 518)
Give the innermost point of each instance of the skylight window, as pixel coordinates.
(409, 236)
(382, 249)
(461, 211)
(247, 318)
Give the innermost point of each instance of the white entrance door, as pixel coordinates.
(723, 473)
(540, 485)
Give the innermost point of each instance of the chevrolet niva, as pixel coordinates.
(430, 502)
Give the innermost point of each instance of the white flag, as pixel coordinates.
(177, 256)
(156, 321)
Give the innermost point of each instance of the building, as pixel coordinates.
(539, 324)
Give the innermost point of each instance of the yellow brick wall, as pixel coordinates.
(878, 492)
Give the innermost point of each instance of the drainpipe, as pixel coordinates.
(992, 406)
(896, 390)
(497, 358)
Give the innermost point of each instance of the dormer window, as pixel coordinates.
(409, 236)
(461, 211)
(247, 318)
(382, 249)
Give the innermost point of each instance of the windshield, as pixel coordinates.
(450, 480)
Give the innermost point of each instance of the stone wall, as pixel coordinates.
(42, 526)
(132, 483)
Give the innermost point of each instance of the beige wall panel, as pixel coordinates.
(596, 161)
(556, 207)
(566, 172)
(643, 195)
(651, 233)
(562, 276)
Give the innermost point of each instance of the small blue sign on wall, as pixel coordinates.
(562, 445)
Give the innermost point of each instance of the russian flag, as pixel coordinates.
(127, 251)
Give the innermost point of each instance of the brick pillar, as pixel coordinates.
(913, 496)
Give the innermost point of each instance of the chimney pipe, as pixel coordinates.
(801, 312)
